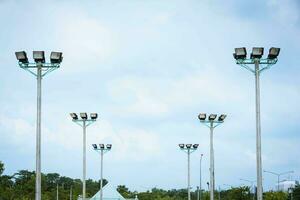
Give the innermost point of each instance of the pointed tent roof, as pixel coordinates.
(109, 193)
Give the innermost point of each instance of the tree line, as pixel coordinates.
(21, 186)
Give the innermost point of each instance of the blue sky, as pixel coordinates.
(148, 68)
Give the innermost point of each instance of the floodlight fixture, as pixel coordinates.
(94, 115)
(22, 56)
(83, 115)
(108, 146)
(273, 53)
(101, 146)
(188, 146)
(221, 118)
(195, 146)
(212, 117)
(95, 146)
(240, 53)
(257, 52)
(202, 116)
(39, 56)
(74, 116)
(56, 57)
(181, 146)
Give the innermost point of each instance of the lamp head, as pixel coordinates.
(257, 52)
(240, 53)
(83, 115)
(22, 57)
(74, 116)
(39, 56)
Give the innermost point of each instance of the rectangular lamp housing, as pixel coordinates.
(273, 53)
(212, 117)
(257, 52)
(240, 53)
(22, 56)
(39, 56)
(56, 57)
(83, 115)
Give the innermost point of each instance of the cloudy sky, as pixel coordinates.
(148, 68)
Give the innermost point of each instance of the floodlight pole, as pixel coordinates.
(212, 160)
(41, 70)
(257, 71)
(56, 191)
(189, 174)
(101, 176)
(258, 132)
(102, 152)
(84, 123)
(200, 193)
(188, 151)
(71, 192)
(211, 124)
(84, 160)
(38, 181)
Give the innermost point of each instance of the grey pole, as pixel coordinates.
(258, 134)
(84, 160)
(101, 181)
(57, 191)
(200, 193)
(38, 133)
(278, 180)
(71, 192)
(189, 186)
(212, 173)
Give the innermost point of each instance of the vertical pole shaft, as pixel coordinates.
(212, 171)
(38, 133)
(278, 180)
(253, 188)
(56, 191)
(101, 175)
(200, 194)
(189, 193)
(84, 160)
(71, 192)
(258, 134)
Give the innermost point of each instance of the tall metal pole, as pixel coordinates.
(200, 193)
(258, 133)
(101, 175)
(57, 191)
(38, 133)
(189, 184)
(212, 171)
(71, 192)
(84, 160)
(278, 180)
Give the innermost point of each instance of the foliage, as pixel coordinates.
(21, 186)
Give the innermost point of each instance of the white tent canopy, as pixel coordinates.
(109, 193)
